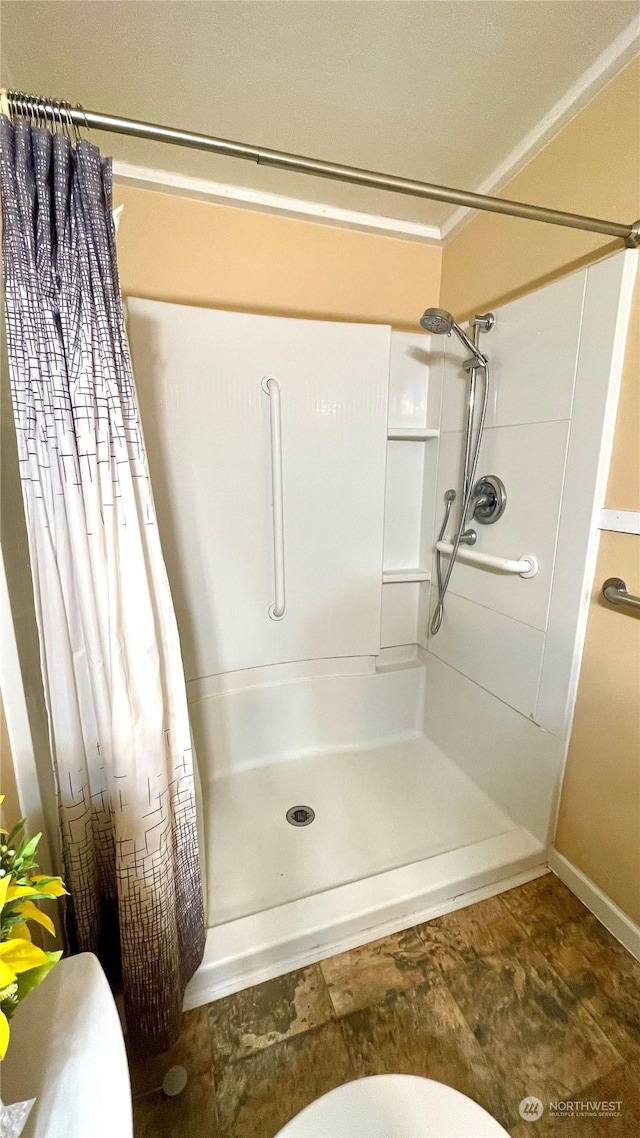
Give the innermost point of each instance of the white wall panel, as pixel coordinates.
(503, 655)
(533, 349)
(608, 297)
(429, 503)
(455, 383)
(399, 614)
(259, 725)
(403, 504)
(409, 369)
(206, 423)
(530, 460)
(502, 672)
(513, 760)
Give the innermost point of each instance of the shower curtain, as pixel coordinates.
(110, 653)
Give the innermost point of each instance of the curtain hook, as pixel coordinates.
(84, 115)
(73, 127)
(76, 126)
(68, 128)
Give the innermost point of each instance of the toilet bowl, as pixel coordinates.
(393, 1106)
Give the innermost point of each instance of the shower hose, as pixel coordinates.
(468, 482)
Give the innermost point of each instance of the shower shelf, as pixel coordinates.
(412, 434)
(399, 576)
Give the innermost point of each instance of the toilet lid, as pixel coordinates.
(393, 1106)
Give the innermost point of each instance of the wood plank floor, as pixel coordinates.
(522, 994)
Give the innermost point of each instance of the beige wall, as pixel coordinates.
(173, 248)
(599, 819)
(592, 167)
(10, 810)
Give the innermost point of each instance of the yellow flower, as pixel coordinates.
(18, 955)
(31, 912)
(53, 888)
(15, 891)
(21, 930)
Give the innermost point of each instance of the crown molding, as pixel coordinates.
(591, 82)
(201, 189)
(612, 60)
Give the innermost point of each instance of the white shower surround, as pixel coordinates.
(478, 717)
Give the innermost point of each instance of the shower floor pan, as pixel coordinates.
(400, 834)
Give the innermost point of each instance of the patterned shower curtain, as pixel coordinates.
(109, 645)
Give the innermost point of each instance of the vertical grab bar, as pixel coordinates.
(271, 386)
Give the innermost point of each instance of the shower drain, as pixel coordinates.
(300, 815)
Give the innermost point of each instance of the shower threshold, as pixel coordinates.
(400, 835)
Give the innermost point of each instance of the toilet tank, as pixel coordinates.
(67, 1051)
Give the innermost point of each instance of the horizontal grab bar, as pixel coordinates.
(615, 591)
(526, 566)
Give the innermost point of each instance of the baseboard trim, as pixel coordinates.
(608, 913)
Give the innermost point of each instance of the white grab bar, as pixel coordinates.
(526, 566)
(272, 388)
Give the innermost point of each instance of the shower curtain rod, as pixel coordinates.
(62, 113)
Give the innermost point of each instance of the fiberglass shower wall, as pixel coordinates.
(207, 423)
(502, 672)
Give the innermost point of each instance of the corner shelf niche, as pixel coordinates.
(412, 434)
(401, 576)
(413, 417)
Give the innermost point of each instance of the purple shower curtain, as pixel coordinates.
(109, 645)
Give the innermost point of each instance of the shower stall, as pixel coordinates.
(360, 773)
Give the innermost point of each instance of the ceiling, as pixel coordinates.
(431, 90)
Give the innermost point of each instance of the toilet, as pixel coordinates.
(79, 1076)
(393, 1106)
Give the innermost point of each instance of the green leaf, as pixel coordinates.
(15, 831)
(30, 979)
(11, 919)
(10, 905)
(31, 846)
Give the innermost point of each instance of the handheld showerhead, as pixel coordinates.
(437, 321)
(441, 323)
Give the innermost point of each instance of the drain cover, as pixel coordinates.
(300, 815)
